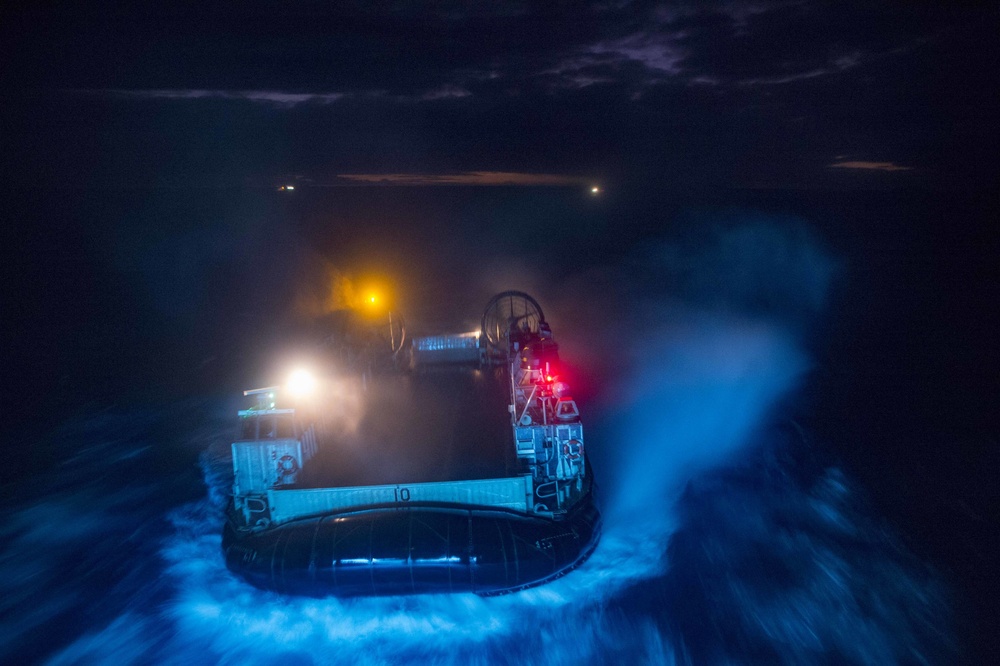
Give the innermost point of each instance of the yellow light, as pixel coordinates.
(371, 299)
(595, 190)
(301, 382)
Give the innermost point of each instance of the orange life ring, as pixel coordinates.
(287, 465)
(573, 450)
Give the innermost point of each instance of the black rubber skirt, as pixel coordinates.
(412, 549)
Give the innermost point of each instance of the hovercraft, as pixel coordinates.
(306, 519)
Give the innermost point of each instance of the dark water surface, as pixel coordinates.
(790, 401)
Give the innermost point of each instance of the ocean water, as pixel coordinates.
(721, 355)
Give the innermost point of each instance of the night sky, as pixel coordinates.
(709, 95)
(828, 171)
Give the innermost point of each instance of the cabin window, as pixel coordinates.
(248, 428)
(286, 428)
(268, 428)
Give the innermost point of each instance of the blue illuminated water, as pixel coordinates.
(733, 533)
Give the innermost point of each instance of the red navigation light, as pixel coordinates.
(549, 378)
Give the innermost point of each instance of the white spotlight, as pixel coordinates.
(301, 382)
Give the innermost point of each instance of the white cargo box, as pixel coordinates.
(458, 348)
(261, 465)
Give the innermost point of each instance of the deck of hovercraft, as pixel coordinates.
(421, 427)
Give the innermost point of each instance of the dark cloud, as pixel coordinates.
(870, 166)
(716, 93)
(505, 178)
(275, 97)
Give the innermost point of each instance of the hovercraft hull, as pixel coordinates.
(466, 473)
(413, 549)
